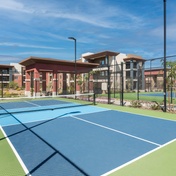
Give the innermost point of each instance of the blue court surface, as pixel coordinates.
(159, 94)
(82, 140)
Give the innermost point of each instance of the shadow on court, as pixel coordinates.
(53, 153)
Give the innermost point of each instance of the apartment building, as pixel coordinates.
(18, 74)
(112, 67)
(5, 75)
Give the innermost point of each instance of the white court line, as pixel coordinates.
(16, 153)
(117, 131)
(136, 159)
(32, 103)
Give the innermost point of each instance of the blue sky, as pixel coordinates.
(42, 27)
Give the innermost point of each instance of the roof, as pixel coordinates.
(133, 57)
(154, 68)
(6, 66)
(32, 60)
(100, 55)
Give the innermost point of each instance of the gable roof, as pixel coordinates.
(32, 60)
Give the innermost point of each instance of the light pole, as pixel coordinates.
(165, 106)
(72, 38)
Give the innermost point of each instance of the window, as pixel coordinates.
(102, 73)
(134, 74)
(128, 74)
(102, 62)
(106, 73)
(106, 60)
(15, 77)
(134, 64)
(127, 65)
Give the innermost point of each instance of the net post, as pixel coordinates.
(94, 101)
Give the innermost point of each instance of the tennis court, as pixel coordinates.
(57, 137)
(159, 94)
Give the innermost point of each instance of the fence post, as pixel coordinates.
(122, 85)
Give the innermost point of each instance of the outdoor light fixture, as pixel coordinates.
(72, 38)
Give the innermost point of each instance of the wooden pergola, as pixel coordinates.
(36, 65)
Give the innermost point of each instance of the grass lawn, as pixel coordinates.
(9, 165)
(142, 96)
(153, 113)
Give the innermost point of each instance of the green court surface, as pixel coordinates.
(9, 165)
(161, 162)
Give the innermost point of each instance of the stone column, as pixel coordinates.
(143, 77)
(27, 84)
(64, 83)
(54, 83)
(77, 85)
(43, 83)
(36, 83)
(90, 83)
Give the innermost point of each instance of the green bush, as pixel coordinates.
(136, 104)
(155, 107)
(18, 89)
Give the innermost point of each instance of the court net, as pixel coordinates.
(31, 104)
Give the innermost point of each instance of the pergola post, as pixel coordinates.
(27, 84)
(36, 83)
(54, 83)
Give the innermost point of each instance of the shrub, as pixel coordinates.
(136, 104)
(18, 89)
(155, 107)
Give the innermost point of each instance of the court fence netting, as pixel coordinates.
(130, 83)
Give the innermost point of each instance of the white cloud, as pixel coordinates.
(170, 32)
(96, 14)
(56, 55)
(55, 36)
(5, 59)
(35, 53)
(28, 46)
(11, 4)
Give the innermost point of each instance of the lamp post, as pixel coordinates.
(72, 38)
(165, 56)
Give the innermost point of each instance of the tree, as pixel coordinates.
(171, 76)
